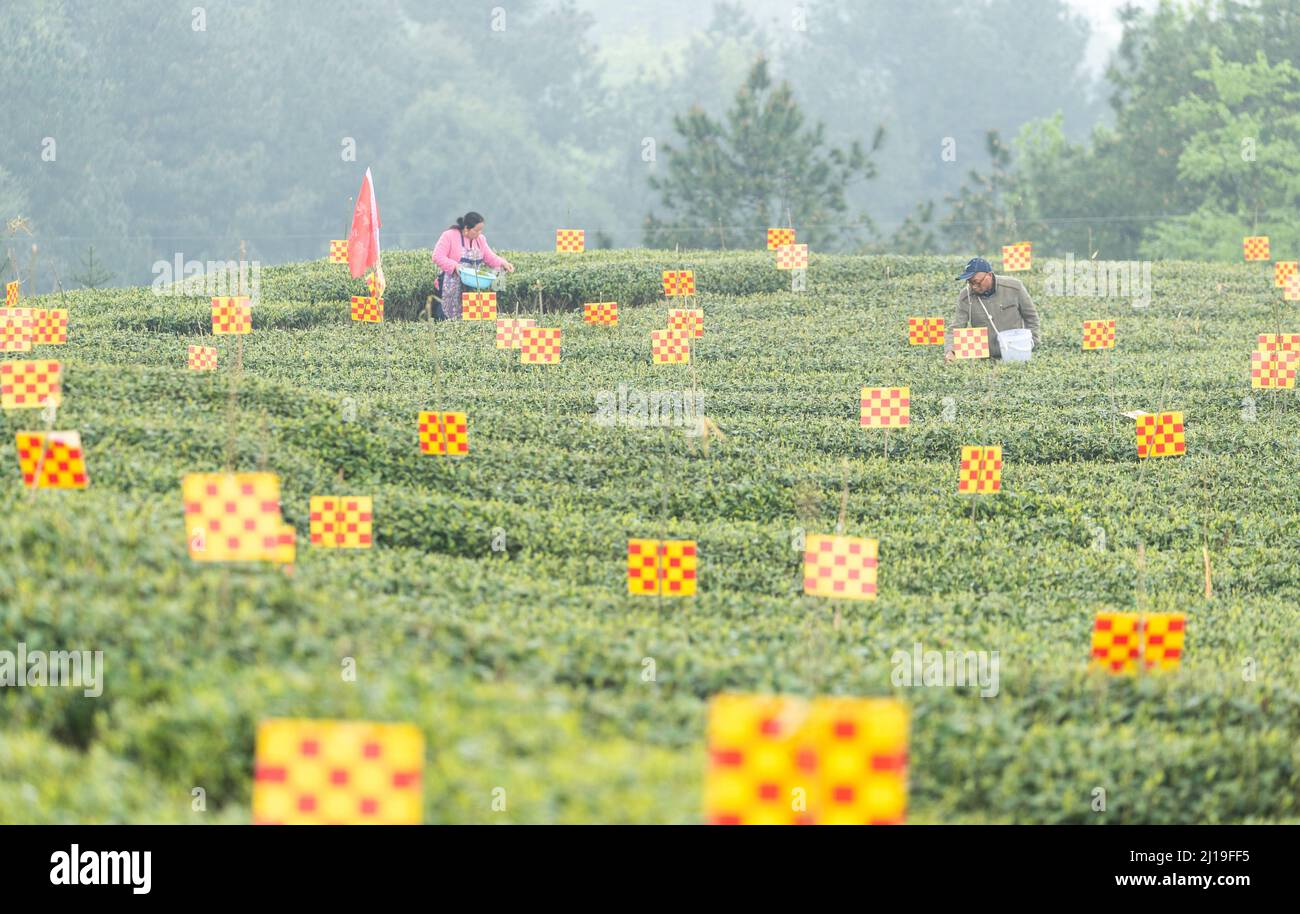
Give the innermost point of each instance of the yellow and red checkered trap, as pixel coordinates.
(886, 407)
(51, 460)
(1017, 257)
(286, 546)
(368, 308)
(570, 241)
(201, 358)
(792, 257)
(1282, 269)
(678, 283)
(1291, 289)
(49, 326)
(1099, 334)
(970, 342)
(980, 472)
(1270, 341)
(232, 314)
(16, 326)
(604, 312)
(1125, 642)
(337, 772)
(341, 521)
(30, 385)
(1273, 369)
(688, 320)
(232, 517)
(665, 568)
(779, 237)
(11, 294)
(669, 347)
(1255, 247)
(445, 434)
(339, 251)
(1160, 435)
(776, 760)
(478, 306)
(925, 331)
(510, 331)
(540, 346)
(840, 566)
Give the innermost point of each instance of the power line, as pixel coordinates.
(681, 229)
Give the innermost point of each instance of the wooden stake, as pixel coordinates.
(236, 372)
(46, 443)
(1139, 597)
(262, 452)
(1209, 586)
(663, 528)
(844, 499)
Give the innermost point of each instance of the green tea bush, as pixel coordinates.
(493, 611)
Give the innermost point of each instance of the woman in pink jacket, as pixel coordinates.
(463, 245)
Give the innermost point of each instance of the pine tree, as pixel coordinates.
(760, 167)
(93, 275)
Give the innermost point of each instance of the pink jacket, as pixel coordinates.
(447, 252)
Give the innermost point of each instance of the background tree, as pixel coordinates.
(761, 166)
(1167, 179)
(1239, 164)
(982, 215)
(92, 275)
(933, 71)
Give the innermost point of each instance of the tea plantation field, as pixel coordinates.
(527, 665)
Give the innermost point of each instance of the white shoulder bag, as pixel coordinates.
(1015, 345)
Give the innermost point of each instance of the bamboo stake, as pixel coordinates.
(1140, 583)
(263, 452)
(48, 415)
(236, 372)
(1209, 587)
(661, 549)
(844, 498)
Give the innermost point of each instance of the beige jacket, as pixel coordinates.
(1008, 304)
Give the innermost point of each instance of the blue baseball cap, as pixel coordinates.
(973, 266)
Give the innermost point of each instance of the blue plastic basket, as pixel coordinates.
(476, 279)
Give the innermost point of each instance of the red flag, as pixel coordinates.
(363, 240)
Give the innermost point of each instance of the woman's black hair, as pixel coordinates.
(467, 221)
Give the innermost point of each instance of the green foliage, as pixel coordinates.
(931, 72)
(524, 667)
(982, 216)
(1173, 176)
(1239, 162)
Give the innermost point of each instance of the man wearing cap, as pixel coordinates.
(997, 302)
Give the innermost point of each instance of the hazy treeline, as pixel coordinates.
(152, 128)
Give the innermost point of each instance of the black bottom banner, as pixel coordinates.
(239, 863)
